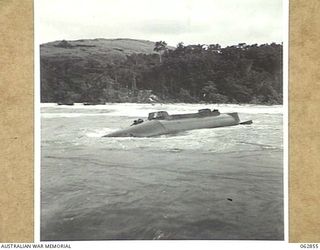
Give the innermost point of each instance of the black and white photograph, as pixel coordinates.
(161, 120)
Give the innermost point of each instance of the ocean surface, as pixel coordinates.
(223, 183)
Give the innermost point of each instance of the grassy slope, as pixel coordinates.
(76, 62)
(106, 49)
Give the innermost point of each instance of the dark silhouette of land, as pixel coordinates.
(127, 70)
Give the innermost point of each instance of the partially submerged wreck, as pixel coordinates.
(160, 123)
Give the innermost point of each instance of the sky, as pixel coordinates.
(226, 22)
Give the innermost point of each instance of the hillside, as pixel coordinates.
(111, 50)
(68, 68)
(128, 70)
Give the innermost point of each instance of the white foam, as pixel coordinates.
(97, 133)
(69, 115)
(142, 110)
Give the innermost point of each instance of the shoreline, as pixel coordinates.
(162, 103)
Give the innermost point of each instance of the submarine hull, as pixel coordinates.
(160, 127)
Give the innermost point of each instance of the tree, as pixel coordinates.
(160, 47)
(210, 93)
(240, 73)
(180, 46)
(215, 48)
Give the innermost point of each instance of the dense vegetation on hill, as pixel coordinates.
(119, 70)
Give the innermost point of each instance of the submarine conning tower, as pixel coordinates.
(163, 115)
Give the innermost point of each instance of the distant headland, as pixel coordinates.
(94, 71)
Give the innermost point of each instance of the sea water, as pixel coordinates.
(222, 183)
